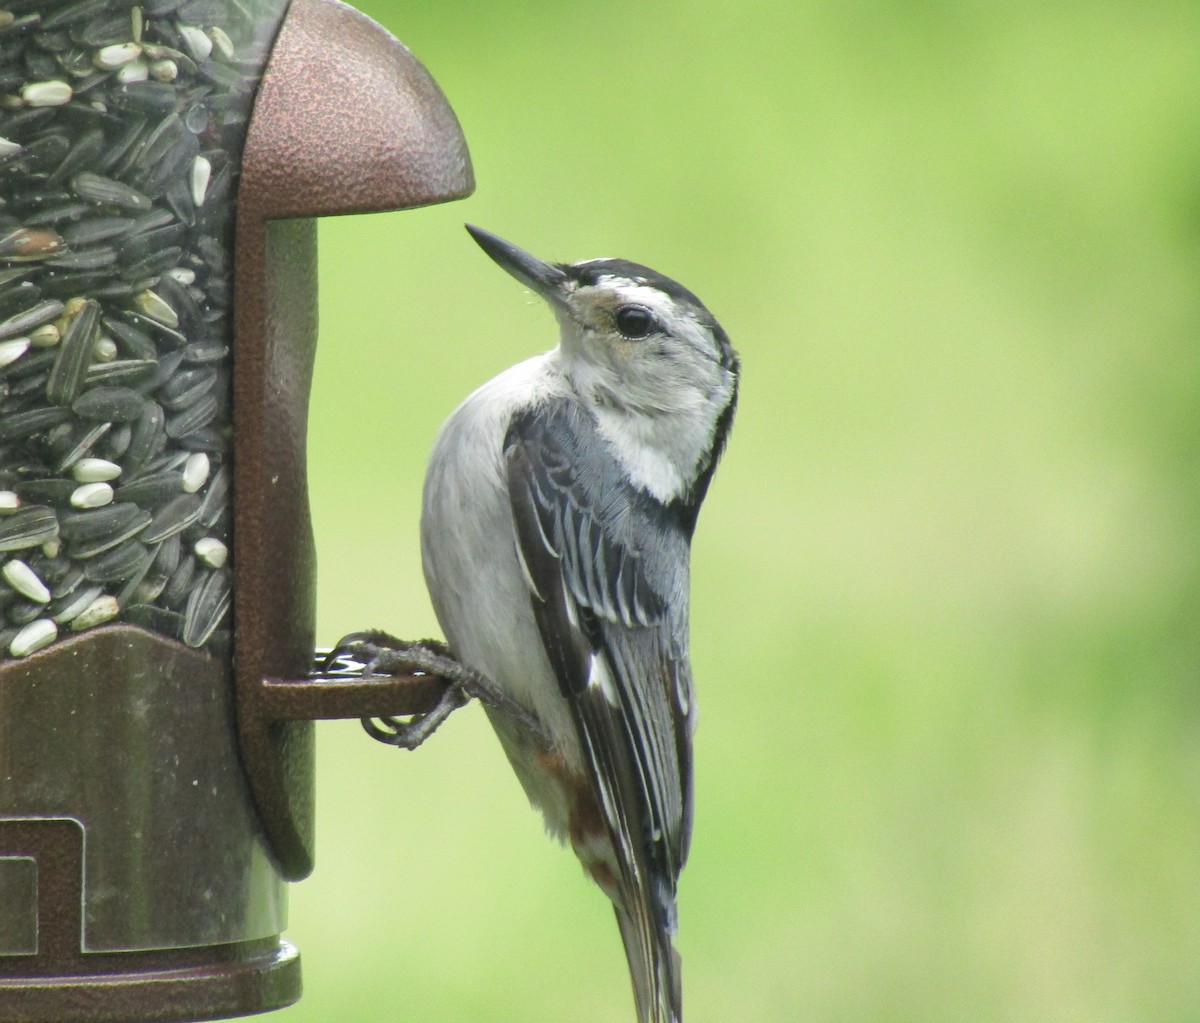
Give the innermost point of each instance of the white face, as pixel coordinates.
(651, 368)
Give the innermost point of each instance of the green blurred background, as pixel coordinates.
(946, 584)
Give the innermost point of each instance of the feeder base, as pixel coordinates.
(166, 987)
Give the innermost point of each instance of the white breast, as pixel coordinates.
(468, 547)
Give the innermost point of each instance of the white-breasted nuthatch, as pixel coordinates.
(556, 530)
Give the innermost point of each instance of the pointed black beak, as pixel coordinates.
(545, 278)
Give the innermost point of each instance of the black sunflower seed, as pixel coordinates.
(85, 259)
(108, 191)
(54, 491)
(152, 264)
(117, 441)
(156, 619)
(72, 13)
(128, 527)
(84, 153)
(103, 30)
(56, 216)
(22, 612)
(68, 583)
(121, 146)
(133, 342)
(153, 489)
(144, 97)
(110, 403)
(94, 230)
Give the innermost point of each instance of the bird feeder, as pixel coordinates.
(161, 164)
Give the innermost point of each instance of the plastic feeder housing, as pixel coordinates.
(160, 169)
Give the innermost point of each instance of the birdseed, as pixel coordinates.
(25, 581)
(121, 128)
(32, 637)
(92, 495)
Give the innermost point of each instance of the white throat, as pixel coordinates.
(658, 444)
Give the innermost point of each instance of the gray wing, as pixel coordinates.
(608, 567)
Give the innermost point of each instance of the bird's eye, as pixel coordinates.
(635, 321)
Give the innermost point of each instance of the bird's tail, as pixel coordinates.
(654, 965)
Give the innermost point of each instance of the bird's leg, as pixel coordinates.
(383, 654)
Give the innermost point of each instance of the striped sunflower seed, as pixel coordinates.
(28, 527)
(173, 517)
(34, 316)
(147, 439)
(166, 559)
(19, 425)
(117, 564)
(179, 585)
(207, 606)
(74, 354)
(186, 387)
(192, 419)
(64, 609)
(81, 440)
(133, 372)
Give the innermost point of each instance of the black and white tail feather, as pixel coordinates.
(606, 447)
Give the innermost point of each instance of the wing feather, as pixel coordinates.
(609, 566)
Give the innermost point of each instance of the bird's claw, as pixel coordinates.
(374, 654)
(377, 653)
(412, 732)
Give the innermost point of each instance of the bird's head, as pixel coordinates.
(639, 347)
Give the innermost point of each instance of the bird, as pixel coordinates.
(557, 517)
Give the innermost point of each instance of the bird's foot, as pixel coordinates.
(381, 654)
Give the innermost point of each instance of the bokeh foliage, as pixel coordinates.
(946, 585)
